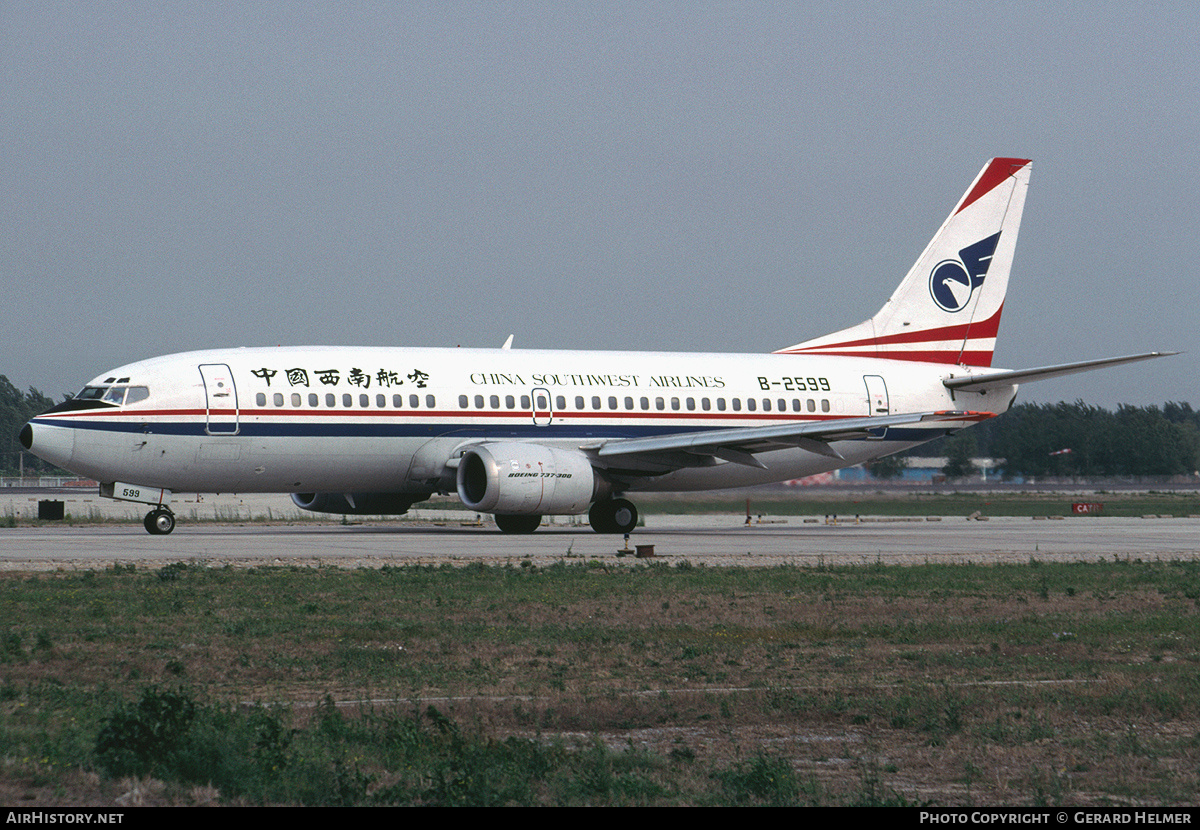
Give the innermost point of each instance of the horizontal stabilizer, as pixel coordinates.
(992, 380)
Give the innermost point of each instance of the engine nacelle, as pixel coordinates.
(358, 504)
(526, 479)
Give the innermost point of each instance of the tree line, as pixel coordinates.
(1078, 440)
(17, 407)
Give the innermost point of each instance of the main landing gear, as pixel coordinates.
(159, 522)
(606, 516)
(613, 516)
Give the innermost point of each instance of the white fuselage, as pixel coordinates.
(316, 418)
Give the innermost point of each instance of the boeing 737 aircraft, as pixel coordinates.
(525, 433)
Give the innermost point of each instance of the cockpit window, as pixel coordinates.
(117, 395)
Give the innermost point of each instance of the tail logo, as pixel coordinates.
(952, 282)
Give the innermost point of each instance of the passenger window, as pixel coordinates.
(560, 403)
(782, 405)
(277, 398)
(737, 404)
(510, 402)
(261, 399)
(347, 400)
(812, 405)
(330, 400)
(381, 401)
(295, 399)
(660, 404)
(720, 404)
(524, 401)
(766, 404)
(691, 404)
(750, 404)
(479, 401)
(645, 402)
(313, 399)
(398, 401)
(825, 404)
(414, 401)
(462, 401)
(612, 403)
(579, 402)
(494, 401)
(431, 401)
(705, 404)
(596, 402)
(795, 404)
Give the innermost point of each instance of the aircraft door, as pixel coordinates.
(877, 395)
(543, 412)
(220, 399)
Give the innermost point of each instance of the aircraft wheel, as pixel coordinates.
(510, 523)
(613, 516)
(159, 522)
(599, 519)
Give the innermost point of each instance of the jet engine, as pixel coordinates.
(358, 504)
(526, 479)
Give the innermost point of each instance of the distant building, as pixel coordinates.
(927, 470)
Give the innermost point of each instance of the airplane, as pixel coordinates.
(521, 434)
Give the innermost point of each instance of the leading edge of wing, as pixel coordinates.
(739, 445)
(980, 382)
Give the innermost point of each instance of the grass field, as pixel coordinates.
(585, 683)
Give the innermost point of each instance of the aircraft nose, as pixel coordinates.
(50, 443)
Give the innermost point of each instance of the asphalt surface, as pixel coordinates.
(219, 531)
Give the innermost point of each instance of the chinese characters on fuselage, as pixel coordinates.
(355, 377)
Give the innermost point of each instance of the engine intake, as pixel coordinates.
(526, 479)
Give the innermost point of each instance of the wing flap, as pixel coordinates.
(739, 446)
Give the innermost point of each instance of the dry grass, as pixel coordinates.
(1028, 685)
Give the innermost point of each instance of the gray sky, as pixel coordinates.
(650, 175)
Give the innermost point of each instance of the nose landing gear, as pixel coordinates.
(159, 522)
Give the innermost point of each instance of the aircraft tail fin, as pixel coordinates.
(947, 309)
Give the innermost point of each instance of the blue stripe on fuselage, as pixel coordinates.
(309, 429)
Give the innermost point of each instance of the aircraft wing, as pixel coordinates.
(982, 381)
(699, 449)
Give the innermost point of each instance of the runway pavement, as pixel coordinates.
(708, 539)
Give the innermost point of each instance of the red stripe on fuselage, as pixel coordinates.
(447, 415)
